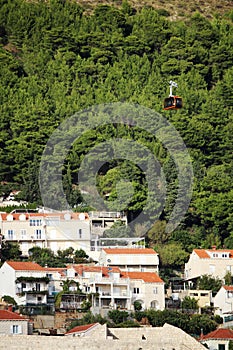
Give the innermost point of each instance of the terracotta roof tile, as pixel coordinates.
(221, 333)
(25, 266)
(80, 329)
(28, 216)
(229, 288)
(9, 315)
(95, 268)
(140, 251)
(149, 277)
(203, 253)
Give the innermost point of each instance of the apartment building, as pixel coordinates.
(130, 259)
(113, 288)
(56, 231)
(26, 282)
(214, 262)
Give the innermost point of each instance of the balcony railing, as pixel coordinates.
(106, 214)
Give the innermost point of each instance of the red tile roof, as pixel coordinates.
(42, 215)
(81, 329)
(221, 333)
(140, 251)
(230, 288)
(25, 266)
(203, 253)
(8, 315)
(94, 268)
(149, 277)
(60, 270)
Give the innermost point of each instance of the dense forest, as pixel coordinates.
(56, 60)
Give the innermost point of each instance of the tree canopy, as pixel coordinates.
(57, 59)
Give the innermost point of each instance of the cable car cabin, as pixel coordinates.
(173, 102)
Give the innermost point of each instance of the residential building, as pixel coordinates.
(102, 220)
(55, 276)
(12, 323)
(88, 330)
(53, 230)
(26, 282)
(218, 339)
(130, 259)
(214, 262)
(223, 301)
(113, 288)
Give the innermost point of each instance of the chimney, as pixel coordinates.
(214, 247)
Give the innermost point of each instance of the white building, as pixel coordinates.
(130, 259)
(57, 231)
(113, 288)
(223, 301)
(214, 262)
(26, 282)
(218, 339)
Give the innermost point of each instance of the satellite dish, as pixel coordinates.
(81, 216)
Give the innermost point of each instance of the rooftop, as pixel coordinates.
(25, 266)
(126, 251)
(9, 315)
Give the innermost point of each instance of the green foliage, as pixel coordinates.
(8, 299)
(172, 255)
(137, 305)
(228, 278)
(230, 346)
(88, 318)
(10, 251)
(118, 316)
(57, 59)
(45, 256)
(189, 303)
(207, 282)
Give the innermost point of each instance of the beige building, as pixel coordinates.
(145, 338)
(46, 230)
(130, 259)
(12, 323)
(113, 288)
(214, 262)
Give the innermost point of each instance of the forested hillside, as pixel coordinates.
(56, 59)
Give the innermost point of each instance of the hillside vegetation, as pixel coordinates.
(176, 9)
(56, 59)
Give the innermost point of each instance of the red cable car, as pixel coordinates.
(172, 102)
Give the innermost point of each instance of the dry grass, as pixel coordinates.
(177, 8)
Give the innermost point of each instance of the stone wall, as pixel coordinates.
(166, 338)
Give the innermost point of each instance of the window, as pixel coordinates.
(38, 234)
(155, 290)
(221, 347)
(23, 233)
(16, 329)
(136, 290)
(38, 287)
(80, 233)
(35, 222)
(10, 234)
